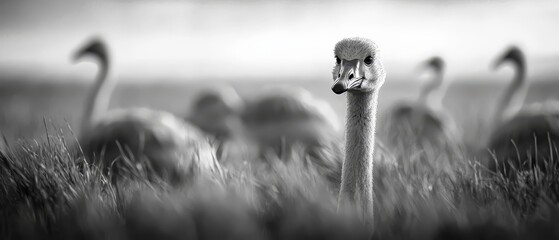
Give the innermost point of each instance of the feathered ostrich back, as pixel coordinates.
(139, 141)
(529, 139)
(520, 138)
(416, 123)
(416, 132)
(216, 111)
(288, 121)
(162, 143)
(422, 126)
(289, 112)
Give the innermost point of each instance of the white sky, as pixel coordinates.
(265, 39)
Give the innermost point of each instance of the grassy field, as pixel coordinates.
(48, 192)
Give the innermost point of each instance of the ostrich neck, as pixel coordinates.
(98, 100)
(357, 173)
(513, 97)
(428, 95)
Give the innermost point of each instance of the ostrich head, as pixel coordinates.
(436, 63)
(514, 55)
(216, 112)
(94, 47)
(358, 67)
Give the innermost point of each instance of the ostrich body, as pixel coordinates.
(166, 146)
(423, 124)
(216, 112)
(288, 114)
(526, 138)
(511, 101)
(360, 73)
(283, 119)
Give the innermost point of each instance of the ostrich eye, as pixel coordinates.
(338, 60)
(368, 60)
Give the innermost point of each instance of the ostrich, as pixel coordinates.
(423, 124)
(359, 72)
(522, 138)
(282, 115)
(283, 118)
(168, 147)
(216, 112)
(511, 101)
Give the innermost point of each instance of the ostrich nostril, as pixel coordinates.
(350, 76)
(339, 75)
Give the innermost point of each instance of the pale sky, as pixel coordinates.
(186, 40)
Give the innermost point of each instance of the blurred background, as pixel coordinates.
(164, 52)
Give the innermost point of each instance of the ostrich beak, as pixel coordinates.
(349, 77)
(95, 47)
(78, 55)
(497, 63)
(339, 87)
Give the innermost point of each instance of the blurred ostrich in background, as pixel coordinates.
(512, 99)
(526, 138)
(359, 72)
(287, 115)
(216, 111)
(423, 125)
(285, 119)
(166, 146)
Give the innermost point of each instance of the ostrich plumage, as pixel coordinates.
(216, 111)
(153, 141)
(285, 120)
(422, 125)
(525, 138)
(288, 114)
(359, 72)
(283, 117)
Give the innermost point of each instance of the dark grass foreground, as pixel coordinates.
(47, 191)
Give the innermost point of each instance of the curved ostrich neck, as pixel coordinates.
(357, 172)
(513, 97)
(98, 99)
(428, 96)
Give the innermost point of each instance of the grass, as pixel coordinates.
(48, 191)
